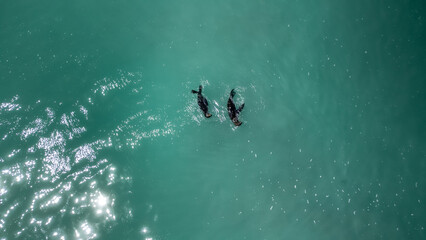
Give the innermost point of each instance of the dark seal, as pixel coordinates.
(202, 102)
(232, 110)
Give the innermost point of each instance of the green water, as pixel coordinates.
(100, 137)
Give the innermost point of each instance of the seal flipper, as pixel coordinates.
(232, 93)
(199, 90)
(240, 108)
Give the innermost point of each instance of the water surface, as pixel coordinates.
(100, 137)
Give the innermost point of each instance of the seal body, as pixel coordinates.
(232, 110)
(202, 102)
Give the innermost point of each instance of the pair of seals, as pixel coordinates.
(233, 112)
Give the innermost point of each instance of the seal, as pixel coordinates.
(233, 111)
(202, 102)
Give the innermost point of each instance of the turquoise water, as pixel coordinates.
(100, 137)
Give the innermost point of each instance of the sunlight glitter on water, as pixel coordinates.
(145, 231)
(55, 173)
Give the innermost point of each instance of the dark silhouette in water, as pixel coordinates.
(202, 102)
(233, 111)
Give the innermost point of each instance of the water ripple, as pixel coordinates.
(55, 179)
(51, 169)
(10, 106)
(107, 84)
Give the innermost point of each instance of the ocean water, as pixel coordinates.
(101, 138)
